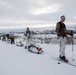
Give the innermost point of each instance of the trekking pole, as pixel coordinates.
(72, 50)
(72, 47)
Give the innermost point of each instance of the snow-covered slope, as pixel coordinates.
(16, 60)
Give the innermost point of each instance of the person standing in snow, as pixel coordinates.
(12, 38)
(62, 34)
(28, 36)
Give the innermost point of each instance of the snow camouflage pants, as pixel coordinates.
(62, 46)
(27, 41)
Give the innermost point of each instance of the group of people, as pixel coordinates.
(62, 34)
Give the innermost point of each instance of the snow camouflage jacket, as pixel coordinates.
(28, 33)
(61, 30)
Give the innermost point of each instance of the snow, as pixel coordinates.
(16, 60)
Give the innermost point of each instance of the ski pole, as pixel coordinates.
(72, 48)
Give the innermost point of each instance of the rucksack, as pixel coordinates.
(61, 30)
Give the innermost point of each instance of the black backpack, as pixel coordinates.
(62, 26)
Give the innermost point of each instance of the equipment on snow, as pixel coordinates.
(35, 49)
(71, 63)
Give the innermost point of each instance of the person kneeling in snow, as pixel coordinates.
(12, 39)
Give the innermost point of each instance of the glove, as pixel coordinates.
(28, 36)
(25, 34)
(58, 34)
(71, 33)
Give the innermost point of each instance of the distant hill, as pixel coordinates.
(69, 27)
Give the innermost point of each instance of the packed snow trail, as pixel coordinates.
(16, 60)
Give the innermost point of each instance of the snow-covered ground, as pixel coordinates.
(16, 60)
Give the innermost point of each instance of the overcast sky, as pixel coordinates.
(36, 13)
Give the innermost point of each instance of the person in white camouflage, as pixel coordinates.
(62, 35)
(28, 37)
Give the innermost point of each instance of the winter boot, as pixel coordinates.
(63, 58)
(25, 47)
